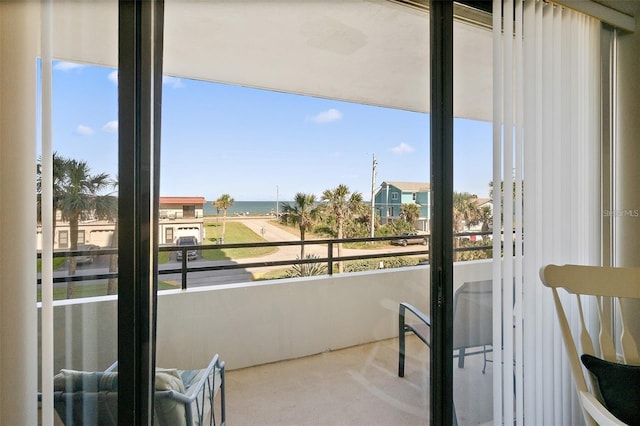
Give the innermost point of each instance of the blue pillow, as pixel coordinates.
(619, 385)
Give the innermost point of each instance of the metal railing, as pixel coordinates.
(330, 259)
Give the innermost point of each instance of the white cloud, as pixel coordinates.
(110, 127)
(113, 77)
(84, 130)
(326, 116)
(403, 148)
(174, 82)
(66, 66)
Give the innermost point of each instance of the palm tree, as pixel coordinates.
(108, 210)
(465, 213)
(486, 217)
(341, 207)
(59, 171)
(501, 198)
(303, 213)
(410, 212)
(112, 283)
(223, 203)
(81, 197)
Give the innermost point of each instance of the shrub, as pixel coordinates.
(373, 264)
(356, 229)
(395, 228)
(307, 269)
(474, 254)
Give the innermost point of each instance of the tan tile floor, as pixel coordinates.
(354, 386)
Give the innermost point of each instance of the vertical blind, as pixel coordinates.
(46, 319)
(546, 196)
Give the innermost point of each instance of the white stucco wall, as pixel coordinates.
(255, 323)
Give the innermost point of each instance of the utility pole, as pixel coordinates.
(373, 200)
(277, 204)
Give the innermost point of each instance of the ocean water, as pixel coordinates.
(245, 207)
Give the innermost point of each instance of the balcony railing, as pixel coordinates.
(259, 324)
(330, 259)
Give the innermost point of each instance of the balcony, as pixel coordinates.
(314, 350)
(357, 385)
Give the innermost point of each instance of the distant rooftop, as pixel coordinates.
(482, 201)
(182, 200)
(410, 186)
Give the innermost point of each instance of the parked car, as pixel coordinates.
(187, 241)
(88, 257)
(406, 239)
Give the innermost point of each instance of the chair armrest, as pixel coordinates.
(189, 396)
(597, 411)
(200, 394)
(174, 395)
(113, 367)
(214, 365)
(421, 328)
(418, 313)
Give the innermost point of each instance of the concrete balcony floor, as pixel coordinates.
(354, 386)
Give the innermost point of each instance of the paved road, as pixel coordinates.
(271, 232)
(261, 226)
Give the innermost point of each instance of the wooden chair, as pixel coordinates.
(599, 398)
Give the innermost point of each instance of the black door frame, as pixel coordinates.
(140, 35)
(441, 251)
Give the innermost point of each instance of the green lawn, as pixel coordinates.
(57, 262)
(163, 257)
(293, 230)
(93, 290)
(368, 245)
(235, 232)
(274, 274)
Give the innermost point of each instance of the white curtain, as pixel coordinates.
(546, 154)
(46, 319)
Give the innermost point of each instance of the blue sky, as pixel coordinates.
(219, 138)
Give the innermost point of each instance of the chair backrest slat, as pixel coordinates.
(605, 339)
(572, 351)
(628, 343)
(601, 283)
(585, 339)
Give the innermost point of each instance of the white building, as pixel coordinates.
(179, 217)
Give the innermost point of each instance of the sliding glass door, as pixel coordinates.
(472, 222)
(77, 193)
